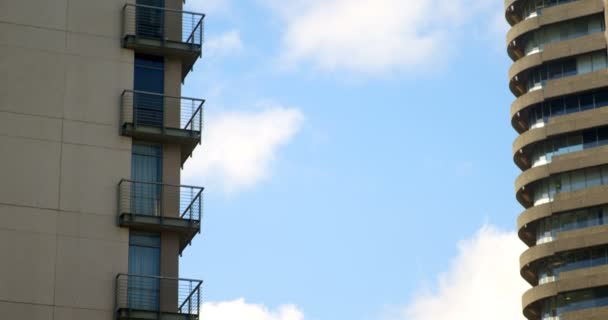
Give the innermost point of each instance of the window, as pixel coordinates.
(589, 138)
(557, 108)
(593, 177)
(146, 171)
(586, 101)
(144, 266)
(571, 104)
(569, 67)
(148, 82)
(602, 135)
(584, 64)
(599, 61)
(601, 99)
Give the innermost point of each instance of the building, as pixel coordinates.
(560, 112)
(93, 134)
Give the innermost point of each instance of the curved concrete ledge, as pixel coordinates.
(568, 281)
(555, 126)
(559, 87)
(570, 240)
(562, 163)
(566, 201)
(551, 15)
(554, 51)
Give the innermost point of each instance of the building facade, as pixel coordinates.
(559, 77)
(93, 134)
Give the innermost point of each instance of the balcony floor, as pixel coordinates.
(132, 314)
(187, 139)
(186, 229)
(187, 52)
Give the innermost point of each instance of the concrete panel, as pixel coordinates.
(171, 164)
(32, 37)
(28, 267)
(93, 89)
(26, 71)
(173, 85)
(28, 219)
(46, 14)
(169, 267)
(29, 173)
(96, 17)
(64, 313)
(86, 270)
(90, 177)
(27, 311)
(36, 127)
(94, 135)
(98, 47)
(90, 226)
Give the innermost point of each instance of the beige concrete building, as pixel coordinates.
(93, 133)
(559, 77)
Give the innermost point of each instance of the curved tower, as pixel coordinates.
(560, 82)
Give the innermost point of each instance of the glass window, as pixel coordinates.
(602, 135)
(604, 171)
(571, 104)
(586, 101)
(557, 107)
(575, 142)
(593, 177)
(580, 27)
(554, 70)
(589, 138)
(578, 180)
(601, 99)
(569, 67)
(599, 61)
(584, 64)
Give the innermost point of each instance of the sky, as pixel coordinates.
(356, 159)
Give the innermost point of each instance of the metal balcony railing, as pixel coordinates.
(139, 108)
(137, 296)
(174, 28)
(160, 200)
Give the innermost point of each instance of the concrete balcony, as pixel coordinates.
(163, 32)
(158, 298)
(157, 207)
(160, 118)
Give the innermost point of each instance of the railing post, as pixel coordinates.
(190, 302)
(198, 299)
(200, 207)
(200, 121)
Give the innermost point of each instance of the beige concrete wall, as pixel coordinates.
(171, 158)
(63, 70)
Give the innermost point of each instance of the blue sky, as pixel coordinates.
(356, 159)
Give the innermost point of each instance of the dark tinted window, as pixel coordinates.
(586, 101)
(571, 104)
(601, 99)
(589, 138)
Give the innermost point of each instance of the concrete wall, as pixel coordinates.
(63, 70)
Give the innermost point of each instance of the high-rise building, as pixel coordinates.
(93, 134)
(560, 82)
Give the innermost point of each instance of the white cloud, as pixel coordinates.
(240, 310)
(227, 43)
(374, 36)
(239, 147)
(481, 282)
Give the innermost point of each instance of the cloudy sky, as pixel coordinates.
(356, 159)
